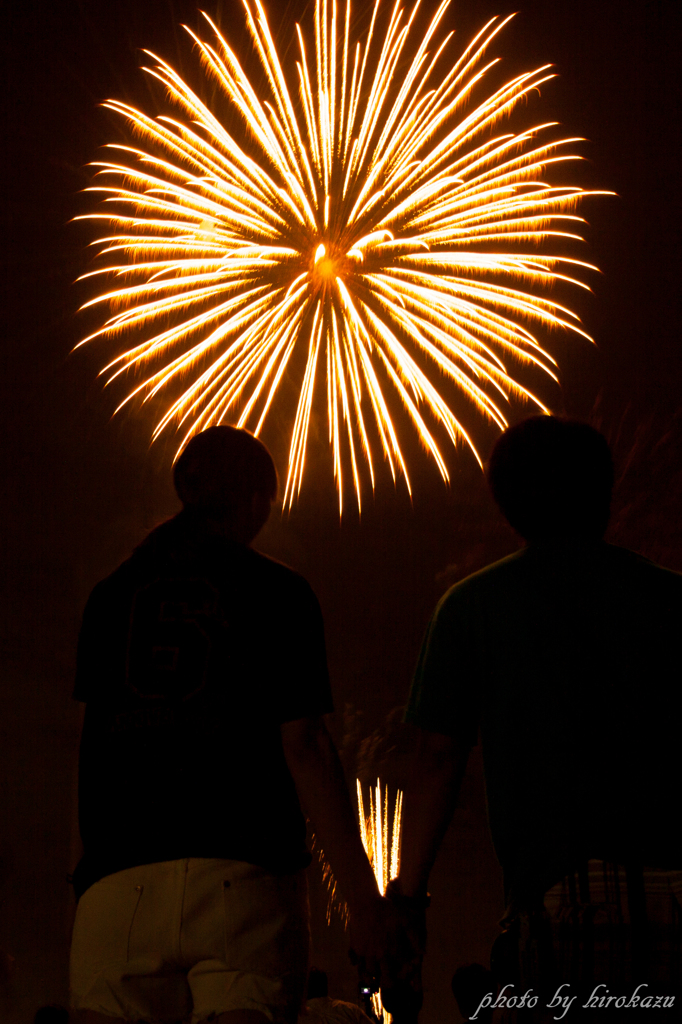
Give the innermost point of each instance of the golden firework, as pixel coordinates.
(357, 227)
(381, 840)
(380, 837)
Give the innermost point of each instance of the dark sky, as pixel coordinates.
(80, 489)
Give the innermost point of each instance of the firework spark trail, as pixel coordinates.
(335, 902)
(381, 841)
(347, 226)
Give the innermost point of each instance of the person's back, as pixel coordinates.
(202, 666)
(192, 654)
(562, 657)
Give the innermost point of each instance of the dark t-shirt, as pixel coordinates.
(566, 658)
(191, 655)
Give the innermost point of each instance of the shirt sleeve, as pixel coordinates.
(445, 694)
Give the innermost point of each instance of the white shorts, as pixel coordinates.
(185, 939)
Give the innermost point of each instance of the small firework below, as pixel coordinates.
(381, 840)
(355, 232)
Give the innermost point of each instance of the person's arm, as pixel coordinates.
(316, 770)
(317, 773)
(438, 767)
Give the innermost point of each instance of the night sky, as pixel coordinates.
(80, 489)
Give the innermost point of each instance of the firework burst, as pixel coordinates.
(356, 236)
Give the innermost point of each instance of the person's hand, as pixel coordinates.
(378, 941)
(401, 989)
(411, 911)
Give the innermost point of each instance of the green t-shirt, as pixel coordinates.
(566, 659)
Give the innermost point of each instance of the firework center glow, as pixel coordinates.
(329, 264)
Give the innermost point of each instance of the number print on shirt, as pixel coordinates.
(173, 624)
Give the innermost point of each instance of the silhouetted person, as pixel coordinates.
(202, 665)
(564, 659)
(322, 1009)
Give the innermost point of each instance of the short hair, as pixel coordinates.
(221, 468)
(318, 986)
(552, 477)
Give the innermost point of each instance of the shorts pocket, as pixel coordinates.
(104, 921)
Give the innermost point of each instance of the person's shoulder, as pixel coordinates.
(141, 563)
(490, 577)
(112, 583)
(277, 574)
(642, 572)
(146, 561)
(268, 564)
(635, 560)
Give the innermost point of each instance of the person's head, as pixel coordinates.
(317, 984)
(552, 478)
(227, 477)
